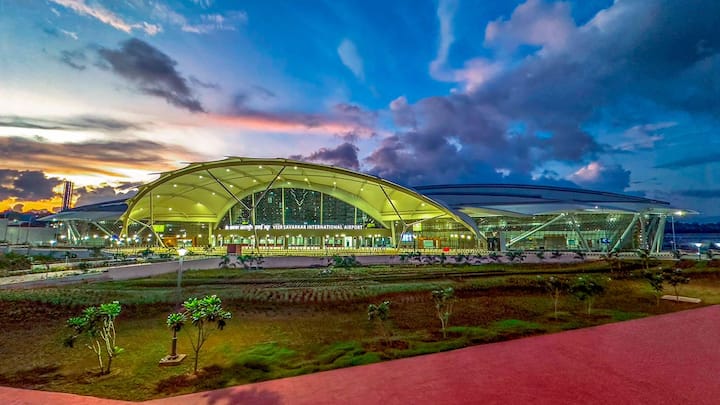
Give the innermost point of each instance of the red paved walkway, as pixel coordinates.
(669, 359)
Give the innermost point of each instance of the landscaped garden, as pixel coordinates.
(280, 323)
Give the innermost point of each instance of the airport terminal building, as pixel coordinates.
(281, 204)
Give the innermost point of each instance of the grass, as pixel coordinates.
(287, 323)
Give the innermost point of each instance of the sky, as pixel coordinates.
(620, 96)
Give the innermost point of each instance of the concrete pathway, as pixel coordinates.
(667, 359)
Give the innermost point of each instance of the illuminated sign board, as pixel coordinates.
(263, 227)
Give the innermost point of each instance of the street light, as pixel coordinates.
(181, 252)
(698, 246)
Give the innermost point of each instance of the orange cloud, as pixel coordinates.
(289, 125)
(28, 205)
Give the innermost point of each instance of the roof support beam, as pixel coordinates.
(534, 230)
(157, 237)
(255, 204)
(659, 234)
(625, 234)
(578, 231)
(101, 228)
(239, 201)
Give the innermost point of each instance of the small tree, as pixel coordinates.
(556, 254)
(252, 261)
(644, 255)
(442, 259)
(444, 299)
(380, 314)
(225, 262)
(580, 255)
(513, 255)
(657, 284)
(97, 325)
(461, 258)
(345, 262)
(494, 256)
(586, 289)
(675, 278)
(612, 258)
(540, 254)
(555, 286)
(203, 313)
(175, 322)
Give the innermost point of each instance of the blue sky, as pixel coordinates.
(621, 96)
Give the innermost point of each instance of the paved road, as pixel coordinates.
(668, 359)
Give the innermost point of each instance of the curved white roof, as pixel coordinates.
(477, 200)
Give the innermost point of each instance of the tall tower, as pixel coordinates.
(67, 195)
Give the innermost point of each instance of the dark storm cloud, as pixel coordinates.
(82, 123)
(26, 184)
(105, 192)
(663, 51)
(152, 71)
(90, 157)
(691, 161)
(344, 155)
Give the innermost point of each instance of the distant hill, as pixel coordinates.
(694, 227)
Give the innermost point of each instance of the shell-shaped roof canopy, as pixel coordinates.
(204, 192)
(478, 200)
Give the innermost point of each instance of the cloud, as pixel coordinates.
(597, 176)
(26, 185)
(107, 17)
(351, 58)
(343, 120)
(55, 32)
(75, 59)
(204, 3)
(403, 114)
(445, 13)
(475, 72)
(643, 137)
(76, 123)
(105, 192)
(216, 22)
(622, 54)
(206, 23)
(152, 71)
(702, 193)
(344, 155)
(243, 97)
(535, 22)
(106, 158)
(713, 157)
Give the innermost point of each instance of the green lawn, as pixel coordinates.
(291, 322)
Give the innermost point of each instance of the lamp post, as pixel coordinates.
(181, 252)
(698, 246)
(672, 225)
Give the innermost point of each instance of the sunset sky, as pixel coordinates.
(620, 96)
